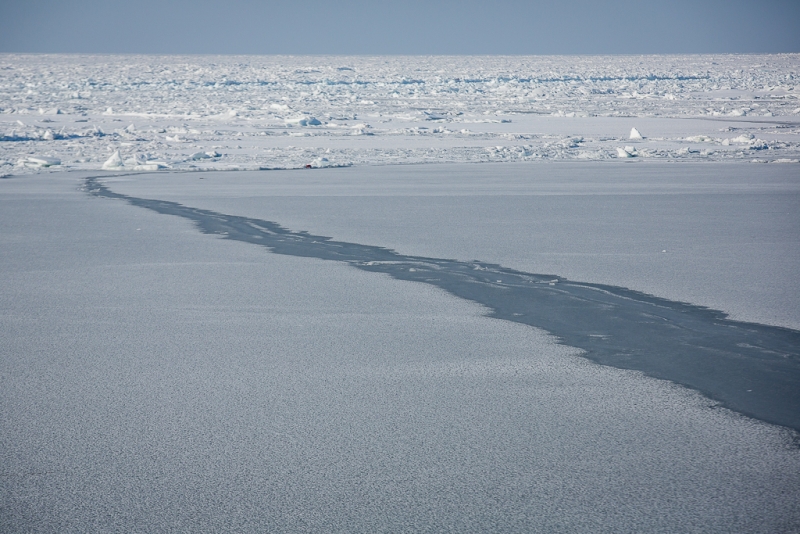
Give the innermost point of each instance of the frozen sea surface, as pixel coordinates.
(156, 378)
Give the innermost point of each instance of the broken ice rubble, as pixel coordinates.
(204, 112)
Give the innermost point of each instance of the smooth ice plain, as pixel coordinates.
(158, 378)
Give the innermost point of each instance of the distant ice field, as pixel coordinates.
(156, 378)
(723, 236)
(251, 112)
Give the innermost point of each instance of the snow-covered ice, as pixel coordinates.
(286, 112)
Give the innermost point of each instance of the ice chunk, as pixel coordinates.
(150, 166)
(43, 161)
(94, 132)
(136, 159)
(114, 162)
(302, 121)
(318, 163)
(48, 135)
(623, 153)
(635, 134)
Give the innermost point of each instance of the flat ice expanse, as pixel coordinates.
(156, 378)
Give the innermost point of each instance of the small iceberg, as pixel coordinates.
(635, 135)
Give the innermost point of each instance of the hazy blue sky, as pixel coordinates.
(400, 26)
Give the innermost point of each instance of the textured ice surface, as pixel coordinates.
(288, 112)
(158, 379)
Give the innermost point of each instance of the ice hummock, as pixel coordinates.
(114, 162)
(138, 162)
(635, 135)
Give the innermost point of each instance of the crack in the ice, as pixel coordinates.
(750, 368)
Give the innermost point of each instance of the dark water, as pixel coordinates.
(750, 368)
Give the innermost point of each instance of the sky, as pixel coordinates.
(400, 26)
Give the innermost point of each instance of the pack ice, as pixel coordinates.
(227, 112)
